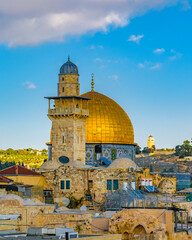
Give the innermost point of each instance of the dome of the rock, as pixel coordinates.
(107, 121)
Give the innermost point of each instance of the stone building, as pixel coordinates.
(90, 121)
(78, 180)
(68, 115)
(33, 213)
(88, 132)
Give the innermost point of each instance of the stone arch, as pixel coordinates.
(125, 236)
(139, 230)
(142, 224)
(166, 185)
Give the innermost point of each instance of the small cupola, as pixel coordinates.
(68, 68)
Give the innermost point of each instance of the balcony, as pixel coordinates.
(68, 111)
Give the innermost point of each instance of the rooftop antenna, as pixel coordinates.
(92, 82)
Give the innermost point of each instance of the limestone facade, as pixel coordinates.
(84, 181)
(68, 85)
(145, 222)
(68, 138)
(68, 116)
(156, 224)
(28, 212)
(44, 216)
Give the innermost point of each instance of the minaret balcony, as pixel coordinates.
(68, 111)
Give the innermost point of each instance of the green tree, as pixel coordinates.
(147, 150)
(184, 150)
(138, 149)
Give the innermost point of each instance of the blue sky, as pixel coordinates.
(141, 58)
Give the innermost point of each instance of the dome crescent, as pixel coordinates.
(107, 121)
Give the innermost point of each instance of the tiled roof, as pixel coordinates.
(18, 170)
(4, 179)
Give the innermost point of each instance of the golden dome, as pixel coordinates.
(107, 121)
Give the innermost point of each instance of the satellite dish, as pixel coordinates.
(66, 201)
(64, 159)
(83, 208)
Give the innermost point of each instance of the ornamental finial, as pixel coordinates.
(68, 58)
(92, 82)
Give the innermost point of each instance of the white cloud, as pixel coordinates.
(134, 38)
(141, 65)
(37, 21)
(92, 47)
(114, 77)
(172, 51)
(176, 55)
(98, 59)
(156, 66)
(185, 5)
(159, 50)
(29, 85)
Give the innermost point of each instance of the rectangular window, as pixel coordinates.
(62, 184)
(112, 184)
(68, 184)
(109, 184)
(63, 139)
(65, 184)
(115, 184)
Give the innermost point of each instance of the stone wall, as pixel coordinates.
(2, 192)
(83, 182)
(70, 83)
(78, 182)
(68, 137)
(9, 224)
(105, 237)
(147, 222)
(81, 222)
(28, 212)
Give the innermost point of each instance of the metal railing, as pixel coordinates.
(65, 111)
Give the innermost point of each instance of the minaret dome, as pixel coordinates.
(68, 68)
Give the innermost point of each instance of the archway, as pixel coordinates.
(166, 185)
(125, 236)
(139, 233)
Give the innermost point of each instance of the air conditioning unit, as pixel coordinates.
(62, 231)
(37, 231)
(71, 235)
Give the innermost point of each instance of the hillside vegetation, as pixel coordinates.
(26, 157)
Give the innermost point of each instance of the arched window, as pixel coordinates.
(63, 139)
(63, 89)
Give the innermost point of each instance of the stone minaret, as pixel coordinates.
(68, 112)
